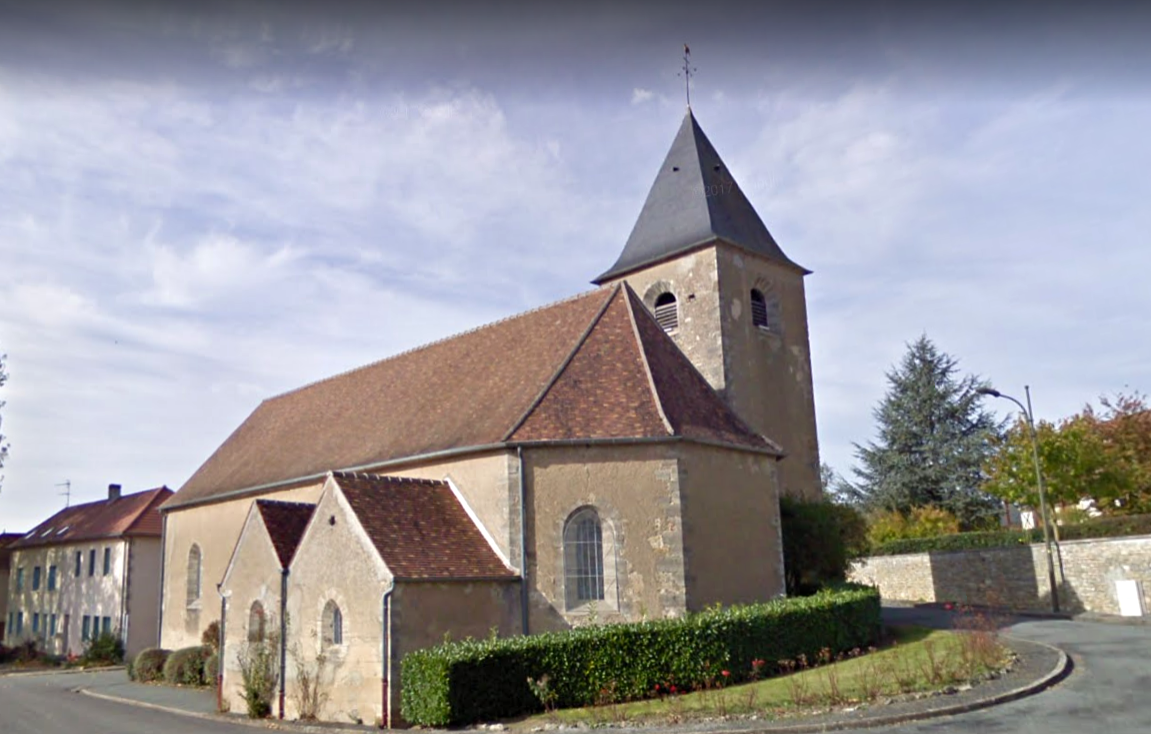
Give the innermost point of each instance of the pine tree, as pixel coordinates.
(933, 439)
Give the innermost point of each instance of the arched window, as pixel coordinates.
(195, 571)
(758, 309)
(583, 558)
(667, 312)
(333, 625)
(257, 623)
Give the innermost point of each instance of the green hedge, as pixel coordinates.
(148, 666)
(470, 681)
(185, 667)
(1103, 527)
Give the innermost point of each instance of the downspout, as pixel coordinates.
(163, 568)
(125, 591)
(523, 544)
(386, 650)
(283, 636)
(220, 646)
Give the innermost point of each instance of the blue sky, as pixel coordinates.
(204, 206)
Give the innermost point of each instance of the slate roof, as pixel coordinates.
(593, 366)
(126, 516)
(420, 529)
(694, 201)
(285, 523)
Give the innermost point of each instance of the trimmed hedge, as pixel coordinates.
(185, 667)
(470, 681)
(148, 666)
(1102, 527)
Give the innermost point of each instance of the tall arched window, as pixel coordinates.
(332, 623)
(583, 558)
(758, 309)
(195, 572)
(257, 623)
(667, 312)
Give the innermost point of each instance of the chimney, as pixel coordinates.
(113, 491)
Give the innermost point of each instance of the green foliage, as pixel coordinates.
(473, 680)
(933, 439)
(211, 667)
(210, 637)
(921, 522)
(819, 540)
(1100, 527)
(148, 666)
(185, 667)
(105, 649)
(259, 672)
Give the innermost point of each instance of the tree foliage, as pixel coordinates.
(934, 437)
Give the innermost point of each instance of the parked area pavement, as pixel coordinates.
(1102, 691)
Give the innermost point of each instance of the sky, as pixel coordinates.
(205, 205)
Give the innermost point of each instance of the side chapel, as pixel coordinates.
(613, 456)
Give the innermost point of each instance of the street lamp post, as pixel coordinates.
(1039, 481)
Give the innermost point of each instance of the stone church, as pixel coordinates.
(617, 455)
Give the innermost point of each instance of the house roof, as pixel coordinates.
(693, 202)
(127, 516)
(420, 529)
(9, 538)
(593, 366)
(285, 523)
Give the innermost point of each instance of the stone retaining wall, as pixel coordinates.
(1015, 577)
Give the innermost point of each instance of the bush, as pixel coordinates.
(1102, 527)
(212, 668)
(185, 667)
(469, 681)
(921, 522)
(148, 666)
(104, 649)
(819, 540)
(210, 637)
(259, 671)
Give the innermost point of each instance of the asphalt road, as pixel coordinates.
(1109, 693)
(47, 704)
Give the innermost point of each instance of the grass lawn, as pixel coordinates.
(914, 659)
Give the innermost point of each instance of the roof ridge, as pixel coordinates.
(157, 493)
(428, 345)
(551, 383)
(284, 503)
(388, 477)
(632, 297)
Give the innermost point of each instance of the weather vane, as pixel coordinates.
(688, 70)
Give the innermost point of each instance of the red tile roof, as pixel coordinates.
(420, 529)
(593, 366)
(129, 515)
(285, 522)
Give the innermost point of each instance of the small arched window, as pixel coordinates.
(667, 312)
(333, 625)
(195, 572)
(257, 623)
(758, 309)
(583, 558)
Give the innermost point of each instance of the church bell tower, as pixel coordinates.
(720, 285)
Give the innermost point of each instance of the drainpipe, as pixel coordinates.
(283, 636)
(220, 645)
(125, 592)
(523, 544)
(163, 568)
(386, 650)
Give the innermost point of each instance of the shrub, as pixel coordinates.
(921, 522)
(185, 667)
(259, 671)
(211, 668)
(819, 540)
(104, 649)
(148, 666)
(469, 681)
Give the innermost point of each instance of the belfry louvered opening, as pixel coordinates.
(758, 309)
(667, 312)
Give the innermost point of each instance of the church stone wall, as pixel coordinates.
(215, 528)
(635, 490)
(731, 533)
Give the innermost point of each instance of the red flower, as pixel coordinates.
(947, 606)
(725, 673)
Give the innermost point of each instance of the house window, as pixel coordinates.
(19, 580)
(36, 578)
(107, 561)
(195, 568)
(19, 623)
(85, 628)
(10, 629)
(758, 309)
(52, 629)
(257, 623)
(92, 562)
(583, 558)
(333, 625)
(79, 562)
(667, 312)
(36, 623)
(106, 625)
(51, 578)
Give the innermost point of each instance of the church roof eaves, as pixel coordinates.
(693, 201)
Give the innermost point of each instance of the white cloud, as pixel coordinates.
(639, 96)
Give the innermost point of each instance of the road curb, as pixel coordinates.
(61, 671)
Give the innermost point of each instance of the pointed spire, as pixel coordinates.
(694, 201)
